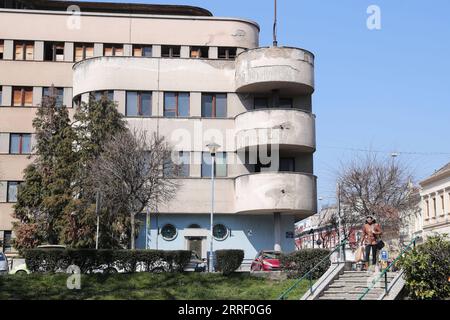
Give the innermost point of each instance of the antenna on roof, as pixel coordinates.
(275, 42)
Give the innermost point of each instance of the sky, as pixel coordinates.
(385, 90)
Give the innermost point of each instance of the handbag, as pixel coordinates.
(380, 244)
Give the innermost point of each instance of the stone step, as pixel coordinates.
(363, 277)
(352, 286)
(353, 296)
(345, 291)
(346, 298)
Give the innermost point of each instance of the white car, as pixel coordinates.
(19, 267)
(4, 267)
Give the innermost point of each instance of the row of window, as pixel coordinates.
(433, 211)
(176, 104)
(184, 161)
(54, 51)
(139, 103)
(169, 232)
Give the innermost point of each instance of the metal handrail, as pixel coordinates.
(384, 272)
(309, 273)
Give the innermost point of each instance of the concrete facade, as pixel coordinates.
(265, 96)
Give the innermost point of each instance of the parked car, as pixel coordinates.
(266, 260)
(19, 267)
(4, 267)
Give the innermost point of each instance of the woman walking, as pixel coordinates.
(371, 234)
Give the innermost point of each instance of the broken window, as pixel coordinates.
(54, 51)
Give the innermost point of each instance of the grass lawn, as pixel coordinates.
(165, 286)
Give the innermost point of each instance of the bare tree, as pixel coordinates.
(130, 174)
(370, 185)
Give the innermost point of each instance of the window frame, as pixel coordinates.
(290, 159)
(207, 173)
(6, 245)
(214, 104)
(185, 167)
(8, 184)
(59, 102)
(24, 44)
(114, 47)
(171, 51)
(176, 109)
(21, 136)
(83, 46)
(23, 91)
(139, 104)
(141, 47)
(169, 225)
(2, 48)
(54, 46)
(227, 55)
(203, 52)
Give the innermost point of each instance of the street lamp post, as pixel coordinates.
(212, 147)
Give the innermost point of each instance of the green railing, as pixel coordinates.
(309, 274)
(385, 271)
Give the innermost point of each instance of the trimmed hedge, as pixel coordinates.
(88, 260)
(297, 263)
(227, 261)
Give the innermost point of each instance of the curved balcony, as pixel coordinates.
(291, 129)
(289, 70)
(143, 73)
(290, 192)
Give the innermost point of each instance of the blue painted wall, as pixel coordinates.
(261, 238)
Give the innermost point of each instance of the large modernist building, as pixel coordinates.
(187, 75)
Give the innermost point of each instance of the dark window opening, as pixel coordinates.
(170, 51)
(227, 53)
(54, 51)
(261, 102)
(199, 52)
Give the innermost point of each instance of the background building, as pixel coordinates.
(189, 76)
(435, 195)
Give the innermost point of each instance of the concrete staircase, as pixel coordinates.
(351, 284)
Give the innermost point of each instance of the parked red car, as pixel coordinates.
(266, 260)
